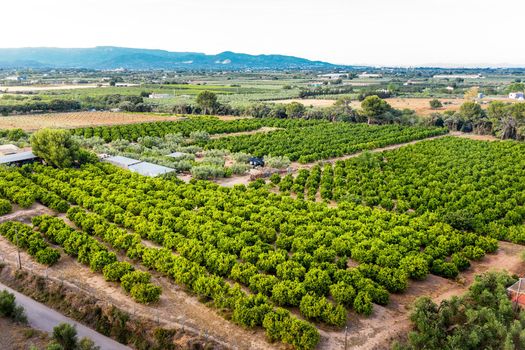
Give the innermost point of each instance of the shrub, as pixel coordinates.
(461, 262)
(8, 307)
(100, 259)
(145, 293)
(275, 178)
(199, 136)
(205, 172)
(65, 335)
(135, 277)
(251, 310)
(363, 304)
(213, 160)
(277, 162)
(87, 344)
(444, 269)
(317, 281)
(415, 266)
(113, 272)
(241, 157)
(435, 104)
(239, 169)
(343, 293)
(5, 207)
(302, 335)
(47, 256)
(218, 153)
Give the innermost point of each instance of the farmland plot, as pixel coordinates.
(472, 185)
(323, 140)
(285, 252)
(76, 119)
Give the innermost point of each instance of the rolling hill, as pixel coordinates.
(108, 57)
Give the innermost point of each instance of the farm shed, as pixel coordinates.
(8, 149)
(149, 169)
(121, 162)
(516, 292)
(370, 75)
(159, 96)
(18, 158)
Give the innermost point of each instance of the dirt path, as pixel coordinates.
(25, 215)
(298, 166)
(474, 136)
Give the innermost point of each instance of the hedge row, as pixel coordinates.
(24, 237)
(89, 251)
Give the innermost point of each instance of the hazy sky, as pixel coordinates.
(374, 32)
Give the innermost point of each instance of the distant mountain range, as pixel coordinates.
(108, 58)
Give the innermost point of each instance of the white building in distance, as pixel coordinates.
(370, 75)
(333, 76)
(517, 96)
(458, 76)
(159, 96)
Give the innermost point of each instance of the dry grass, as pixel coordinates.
(422, 105)
(20, 337)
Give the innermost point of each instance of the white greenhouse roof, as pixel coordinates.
(149, 169)
(121, 160)
(18, 157)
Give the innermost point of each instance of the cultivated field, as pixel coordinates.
(31, 88)
(307, 102)
(76, 119)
